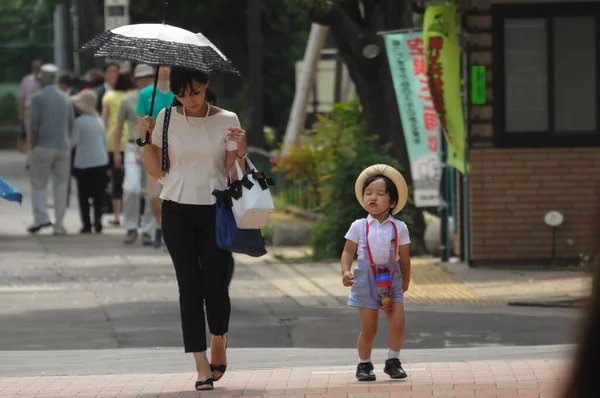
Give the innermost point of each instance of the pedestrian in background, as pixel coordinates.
(133, 162)
(110, 112)
(52, 122)
(163, 98)
(30, 84)
(91, 160)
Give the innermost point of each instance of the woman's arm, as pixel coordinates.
(153, 161)
(105, 115)
(152, 153)
(75, 135)
(236, 151)
(230, 159)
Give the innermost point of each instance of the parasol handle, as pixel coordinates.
(146, 141)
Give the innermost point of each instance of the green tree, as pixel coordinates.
(354, 24)
(25, 34)
(224, 22)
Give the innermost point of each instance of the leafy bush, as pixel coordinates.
(9, 110)
(329, 160)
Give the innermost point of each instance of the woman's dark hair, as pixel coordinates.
(209, 96)
(183, 78)
(124, 82)
(390, 187)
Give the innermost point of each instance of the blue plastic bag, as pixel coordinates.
(229, 237)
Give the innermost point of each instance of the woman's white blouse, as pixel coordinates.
(196, 156)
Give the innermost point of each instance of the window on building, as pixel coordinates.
(546, 60)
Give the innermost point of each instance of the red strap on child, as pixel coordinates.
(369, 247)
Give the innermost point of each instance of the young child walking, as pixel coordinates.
(382, 274)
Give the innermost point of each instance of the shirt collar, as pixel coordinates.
(370, 219)
(50, 86)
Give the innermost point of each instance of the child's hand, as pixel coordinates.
(348, 278)
(405, 283)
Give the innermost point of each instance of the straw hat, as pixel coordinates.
(389, 172)
(85, 102)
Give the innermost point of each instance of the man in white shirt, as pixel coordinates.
(134, 170)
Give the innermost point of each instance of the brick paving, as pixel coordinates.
(505, 379)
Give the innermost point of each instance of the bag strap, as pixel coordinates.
(165, 140)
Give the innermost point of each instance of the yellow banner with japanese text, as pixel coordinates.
(442, 52)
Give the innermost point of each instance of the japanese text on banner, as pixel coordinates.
(419, 120)
(443, 71)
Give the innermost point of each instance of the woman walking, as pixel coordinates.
(90, 160)
(202, 143)
(110, 112)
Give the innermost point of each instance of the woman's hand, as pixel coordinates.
(117, 159)
(238, 135)
(147, 123)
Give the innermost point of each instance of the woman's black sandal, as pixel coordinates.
(206, 385)
(218, 368)
(221, 369)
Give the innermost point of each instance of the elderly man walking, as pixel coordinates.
(51, 120)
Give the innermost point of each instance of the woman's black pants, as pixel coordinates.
(91, 183)
(203, 271)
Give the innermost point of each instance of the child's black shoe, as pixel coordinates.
(393, 368)
(364, 371)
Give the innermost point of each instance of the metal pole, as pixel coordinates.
(465, 222)
(75, 37)
(60, 38)
(444, 204)
(553, 245)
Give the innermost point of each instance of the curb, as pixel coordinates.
(548, 302)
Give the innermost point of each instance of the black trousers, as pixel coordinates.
(116, 176)
(203, 271)
(91, 184)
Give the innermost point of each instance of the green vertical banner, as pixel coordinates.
(406, 56)
(442, 51)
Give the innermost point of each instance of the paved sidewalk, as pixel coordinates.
(505, 379)
(446, 284)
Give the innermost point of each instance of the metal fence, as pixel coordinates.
(285, 192)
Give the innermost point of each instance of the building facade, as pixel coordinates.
(535, 143)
